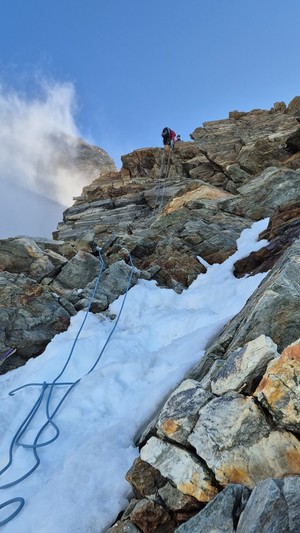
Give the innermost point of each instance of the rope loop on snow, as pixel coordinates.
(21, 503)
(49, 388)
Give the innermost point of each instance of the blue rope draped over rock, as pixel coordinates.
(49, 387)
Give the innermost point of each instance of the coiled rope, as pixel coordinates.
(49, 387)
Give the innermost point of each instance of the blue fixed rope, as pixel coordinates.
(159, 178)
(164, 186)
(16, 441)
(160, 195)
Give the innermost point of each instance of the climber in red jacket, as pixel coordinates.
(168, 136)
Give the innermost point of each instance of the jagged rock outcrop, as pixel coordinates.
(238, 444)
(237, 412)
(279, 391)
(86, 161)
(272, 506)
(283, 229)
(43, 284)
(249, 142)
(169, 208)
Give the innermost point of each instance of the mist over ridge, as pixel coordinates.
(44, 162)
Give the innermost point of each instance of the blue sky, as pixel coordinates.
(139, 65)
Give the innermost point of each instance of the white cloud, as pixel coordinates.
(37, 137)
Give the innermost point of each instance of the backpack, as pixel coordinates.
(166, 132)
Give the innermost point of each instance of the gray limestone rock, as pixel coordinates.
(125, 526)
(30, 315)
(272, 310)
(221, 515)
(279, 389)
(271, 190)
(274, 506)
(177, 465)
(176, 501)
(113, 283)
(239, 445)
(23, 255)
(244, 366)
(206, 381)
(180, 413)
(77, 273)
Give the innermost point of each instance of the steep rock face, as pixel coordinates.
(166, 208)
(251, 141)
(156, 211)
(282, 230)
(273, 189)
(30, 316)
(228, 436)
(40, 289)
(236, 414)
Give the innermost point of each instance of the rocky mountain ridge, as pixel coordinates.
(229, 434)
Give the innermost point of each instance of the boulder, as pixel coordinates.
(271, 190)
(182, 506)
(114, 282)
(184, 472)
(239, 445)
(279, 390)
(180, 412)
(30, 315)
(77, 272)
(222, 514)
(151, 517)
(23, 255)
(273, 506)
(144, 479)
(244, 366)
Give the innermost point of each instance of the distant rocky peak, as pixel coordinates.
(87, 159)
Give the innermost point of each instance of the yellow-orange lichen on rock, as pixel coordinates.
(279, 390)
(196, 487)
(169, 426)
